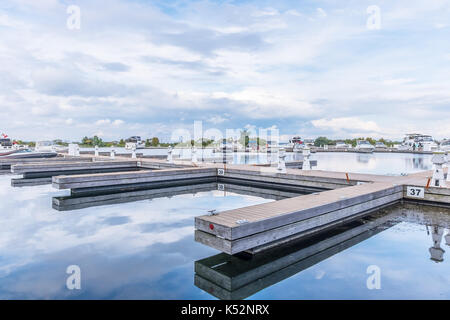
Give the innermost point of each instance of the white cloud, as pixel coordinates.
(102, 122)
(118, 122)
(321, 13)
(134, 63)
(348, 124)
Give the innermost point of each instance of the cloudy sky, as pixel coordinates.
(151, 67)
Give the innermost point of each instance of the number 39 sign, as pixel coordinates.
(415, 192)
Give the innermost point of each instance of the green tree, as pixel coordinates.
(155, 141)
(98, 142)
(321, 141)
(245, 138)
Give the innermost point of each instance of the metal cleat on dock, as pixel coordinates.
(213, 212)
(74, 150)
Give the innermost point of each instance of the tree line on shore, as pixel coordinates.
(244, 140)
(322, 141)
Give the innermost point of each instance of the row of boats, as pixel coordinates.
(411, 142)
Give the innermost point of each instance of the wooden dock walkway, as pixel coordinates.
(42, 173)
(334, 198)
(5, 164)
(235, 277)
(128, 181)
(314, 201)
(257, 226)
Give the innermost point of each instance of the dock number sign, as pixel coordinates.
(221, 172)
(415, 192)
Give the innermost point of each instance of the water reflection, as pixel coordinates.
(142, 249)
(436, 252)
(145, 249)
(240, 276)
(377, 163)
(243, 276)
(68, 203)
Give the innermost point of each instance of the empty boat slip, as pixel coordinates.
(124, 181)
(42, 173)
(56, 168)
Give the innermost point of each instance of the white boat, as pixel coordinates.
(426, 143)
(134, 142)
(364, 145)
(6, 146)
(445, 145)
(297, 144)
(416, 141)
(342, 145)
(380, 145)
(48, 146)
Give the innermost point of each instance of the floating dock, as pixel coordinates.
(260, 227)
(6, 163)
(42, 173)
(236, 277)
(308, 202)
(168, 189)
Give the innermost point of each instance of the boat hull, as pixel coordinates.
(28, 155)
(2, 154)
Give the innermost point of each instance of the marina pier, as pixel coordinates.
(308, 202)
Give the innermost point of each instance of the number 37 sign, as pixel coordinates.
(415, 192)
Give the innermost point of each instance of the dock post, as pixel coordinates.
(306, 163)
(448, 170)
(194, 155)
(281, 161)
(133, 153)
(113, 154)
(74, 150)
(169, 155)
(436, 252)
(438, 173)
(96, 151)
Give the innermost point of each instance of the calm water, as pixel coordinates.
(146, 250)
(376, 163)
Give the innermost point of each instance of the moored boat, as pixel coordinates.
(364, 146)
